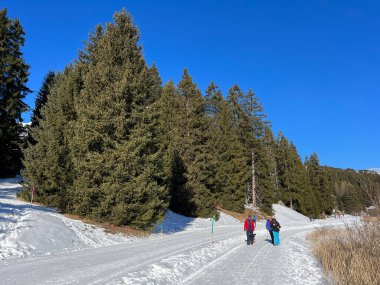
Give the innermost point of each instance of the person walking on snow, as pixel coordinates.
(254, 219)
(268, 226)
(276, 232)
(249, 227)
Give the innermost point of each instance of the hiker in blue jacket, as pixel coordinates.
(268, 226)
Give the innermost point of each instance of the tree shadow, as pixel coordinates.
(173, 223)
(22, 209)
(10, 208)
(181, 197)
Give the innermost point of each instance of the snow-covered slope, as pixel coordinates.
(286, 215)
(27, 229)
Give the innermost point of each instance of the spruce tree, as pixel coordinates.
(42, 98)
(48, 161)
(232, 169)
(194, 155)
(170, 140)
(321, 183)
(295, 189)
(250, 123)
(266, 171)
(115, 148)
(13, 78)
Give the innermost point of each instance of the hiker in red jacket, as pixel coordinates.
(249, 227)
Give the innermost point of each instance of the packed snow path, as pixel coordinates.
(185, 254)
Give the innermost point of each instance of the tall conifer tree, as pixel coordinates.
(232, 169)
(42, 98)
(196, 196)
(293, 180)
(321, 183)
(116, 149)
(48, 162)
(13, 78)
(266, 171)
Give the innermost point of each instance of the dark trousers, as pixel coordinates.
(271, 236)
(249, 237)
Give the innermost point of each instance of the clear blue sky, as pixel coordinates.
(315, 65)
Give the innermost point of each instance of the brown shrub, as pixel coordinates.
(349, 255)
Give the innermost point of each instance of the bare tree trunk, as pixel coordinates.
(187, 117)
(253, 181)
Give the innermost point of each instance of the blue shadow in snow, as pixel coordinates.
(173, 223)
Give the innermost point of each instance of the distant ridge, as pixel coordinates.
(377, 170)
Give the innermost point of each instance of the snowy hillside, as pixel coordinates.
(58, 250)
(286, 215)
(27, 229)
(377, 170)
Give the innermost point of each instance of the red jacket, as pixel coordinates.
(246, 225)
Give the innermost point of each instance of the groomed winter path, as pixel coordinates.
(185, 254)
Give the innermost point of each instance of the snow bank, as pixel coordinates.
(286, 215)
(27, 229)
(174, 223)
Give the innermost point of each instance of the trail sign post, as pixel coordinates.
(212, 228)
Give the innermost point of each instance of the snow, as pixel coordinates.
(286, 215)
(377, 170)
(27, 229)
(41, 246)
(174, 223)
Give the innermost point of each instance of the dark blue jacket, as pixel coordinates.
(268, 225)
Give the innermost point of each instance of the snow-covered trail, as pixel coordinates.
(188, 256)
(262, 263)
(104, 265)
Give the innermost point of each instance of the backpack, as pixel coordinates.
(275, 226)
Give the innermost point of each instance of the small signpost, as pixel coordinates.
(212, 228)
(33, 192)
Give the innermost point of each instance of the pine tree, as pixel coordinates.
(13, 78)
(42, 98)
(115, 149)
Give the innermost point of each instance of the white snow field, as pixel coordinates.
(40, 246)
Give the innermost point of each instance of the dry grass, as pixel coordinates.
(350, 255)
(243, 216)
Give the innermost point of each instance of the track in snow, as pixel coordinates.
(188, 257)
